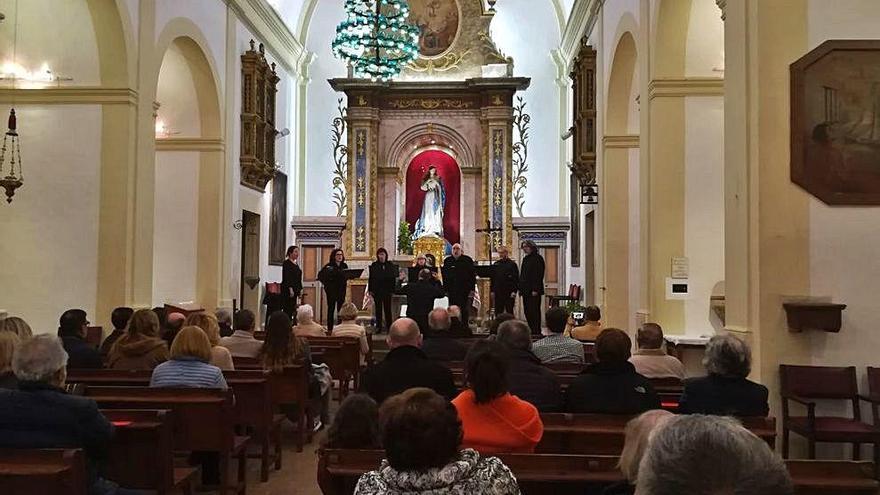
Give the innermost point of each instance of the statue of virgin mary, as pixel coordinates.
(430, 222)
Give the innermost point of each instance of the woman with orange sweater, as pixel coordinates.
(492, 419)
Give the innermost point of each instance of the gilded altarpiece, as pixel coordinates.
(390, 124)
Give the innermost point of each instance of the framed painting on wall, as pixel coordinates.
(835, 122)
(278, 220)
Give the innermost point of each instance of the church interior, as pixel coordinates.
(685, 165)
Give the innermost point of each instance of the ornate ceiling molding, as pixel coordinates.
(267, 25)
(584, 14)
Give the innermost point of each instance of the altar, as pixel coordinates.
(398, 130)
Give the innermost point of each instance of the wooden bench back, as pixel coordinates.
(812, 477)
(203, 417)
(290, 386)
(141, 451)
(341, 354)
(42, 471)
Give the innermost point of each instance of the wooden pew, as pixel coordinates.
(603, 434)
(339, 469)
(141, 454)
(292, 387)
(246, 363)
(812, 477)
(342, 356)
(253, 405)
(204, 420)
(36, 471)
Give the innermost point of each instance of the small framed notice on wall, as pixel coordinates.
(680, 267)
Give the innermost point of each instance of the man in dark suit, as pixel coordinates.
(291, 282)
(459, 279)
(531, 284)
(73, 326)
(725, 391)
(529, 379)
(505, 281)
(406, 366)
(420, 298)
(440, 345)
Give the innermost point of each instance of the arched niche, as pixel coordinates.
(429, 136)
(449, 170)
(189, 177)
(115, 44)
(670, 40)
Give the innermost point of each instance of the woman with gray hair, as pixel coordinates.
(725, 391)
(706, 454)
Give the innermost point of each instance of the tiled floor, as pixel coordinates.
(298, 471)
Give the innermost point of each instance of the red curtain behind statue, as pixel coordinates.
(447, 169)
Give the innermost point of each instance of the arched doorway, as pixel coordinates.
(450, 173)
(188, 179)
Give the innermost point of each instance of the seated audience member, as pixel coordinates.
(406, 366)
(172, 326)
(441, 346)
(72, 328)
(140, 348)
(281, 348)
(493, 420)
(421, 434)
(710, 455)
(355, 425)
(529, 379)
(220, 356)
(496, 323)
(637, 434)
(556, 347)
(348, 327)
(651, 359)
(119, 318)
(161, 314)
(305, 323)
(41, 415)
(590, 329)
(612, 385)
(458, 328)
(17, 326)
(725, 391)
(242, 342)
(224, 319)
(189, 365)
(9, 341)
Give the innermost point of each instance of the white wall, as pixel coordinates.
(705, 40)
(528, 30)
(843, 259)
(177, 97)
(177, 227)
(704, 209)
(49, 241)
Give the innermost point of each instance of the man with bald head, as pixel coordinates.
(651, 359)
(406, 366)
(459, 279)
(440, 345)
(529, 380)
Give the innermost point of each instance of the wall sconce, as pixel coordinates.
(163, 131)
(492, 5)
(586, 177)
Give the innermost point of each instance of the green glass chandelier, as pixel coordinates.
(376, 39)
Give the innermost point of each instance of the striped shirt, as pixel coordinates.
(187, 372)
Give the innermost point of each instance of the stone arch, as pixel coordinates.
(186, 40)
(670, 28)
(115, 45)
(429, 136)
(620, 85)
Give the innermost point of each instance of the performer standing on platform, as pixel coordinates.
(420, 297)
(531, 284)
(291, 282)
(333, 278)
(505, 281)
(459, 278)
(383, 277)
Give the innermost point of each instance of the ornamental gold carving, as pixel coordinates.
(430, 104)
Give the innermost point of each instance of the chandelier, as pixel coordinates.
(12, 181)
(375, 38)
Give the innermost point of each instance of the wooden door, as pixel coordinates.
(312, 258)
(552, 278)
(589, 259)
(250, 262)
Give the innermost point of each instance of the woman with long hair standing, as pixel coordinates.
(383, 278)
(333, 278)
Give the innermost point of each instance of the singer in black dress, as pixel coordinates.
(291, 282)
(332, 277)
(383, 278)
